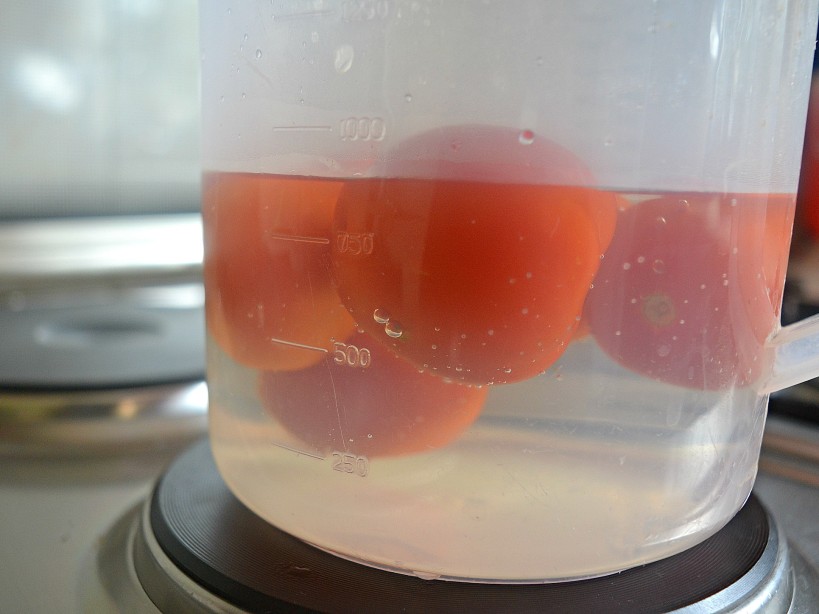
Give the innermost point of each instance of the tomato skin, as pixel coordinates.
(689, 290)
(387, 408)
(808, 204)
(260, 285)
(473, 277)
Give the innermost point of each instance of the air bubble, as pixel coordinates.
(658, 266)
(626, 266)
(524, 311)
(663, 351)
(343, 58)
(526, 137)
(258, 54)
(490, 332)
(507, 370)
(434, 347)
(393, 329)
(407, 97)
(381, 316)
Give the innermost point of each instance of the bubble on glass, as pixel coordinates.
(381, 316)
(658, 266)
(393, 329)
(343, 58)
(526, 137)
(258, 54)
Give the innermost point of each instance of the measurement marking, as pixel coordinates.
(298, 239)
(317, 13)
(298, 345)
(297, 451)
(316, 128)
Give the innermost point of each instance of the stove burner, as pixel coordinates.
(197, 544)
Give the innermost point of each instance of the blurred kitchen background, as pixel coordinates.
(100, 108)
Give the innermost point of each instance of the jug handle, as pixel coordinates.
(796, 355)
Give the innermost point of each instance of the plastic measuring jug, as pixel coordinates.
(493, 288)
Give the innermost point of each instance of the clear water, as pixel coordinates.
(520, 496)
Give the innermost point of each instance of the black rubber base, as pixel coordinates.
(237, 556)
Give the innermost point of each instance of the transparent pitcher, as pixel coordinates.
(493, 288)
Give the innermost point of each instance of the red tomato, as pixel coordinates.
(689, 289)
(477, 264)
(809, 179)
(267, 260)
(385, 408)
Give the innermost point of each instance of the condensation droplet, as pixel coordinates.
(381, 316)
(343, 58)
(393, 329)
(526, 137)
(258, 54)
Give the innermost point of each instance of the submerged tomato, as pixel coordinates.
(267, 280)
(690, 287)
(365, 400)
(477, 259)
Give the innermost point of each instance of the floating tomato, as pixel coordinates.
(363, 399)
(809, 178)
(690, 287)
(482, 243)
(269, 297)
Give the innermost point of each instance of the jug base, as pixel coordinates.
(193, 527)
